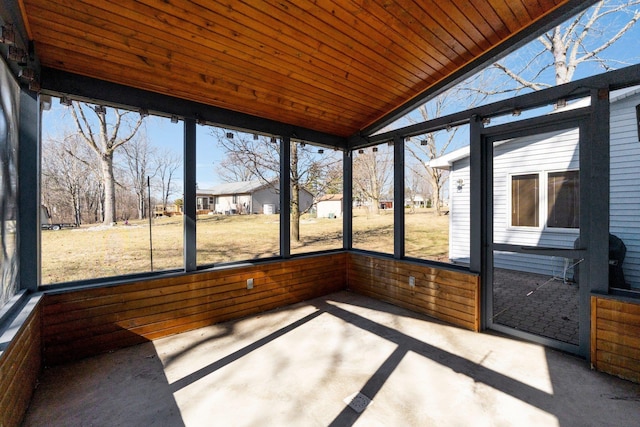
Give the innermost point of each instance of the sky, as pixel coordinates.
(168, 136)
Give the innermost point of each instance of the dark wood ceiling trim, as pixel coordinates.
(57, 82)
(519, 39)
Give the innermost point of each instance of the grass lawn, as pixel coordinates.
(95, 251)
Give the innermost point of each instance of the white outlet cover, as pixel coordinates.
(412, 281)
(249, 283)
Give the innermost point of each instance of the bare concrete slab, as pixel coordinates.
(340, 360)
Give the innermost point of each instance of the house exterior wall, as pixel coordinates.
(232, 203)
(459, 213)
(624, 207)
(549, 153)
(265, 196)
(539, 154)
(325, 207)
(306, 200)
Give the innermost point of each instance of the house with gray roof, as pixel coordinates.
(245, 197)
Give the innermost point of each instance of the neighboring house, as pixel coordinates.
(169, 210)
(329, 206)
(417, 202)
(536, 188)
(245, 197)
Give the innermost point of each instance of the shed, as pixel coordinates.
(329, 205)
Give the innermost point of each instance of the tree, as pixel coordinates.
(104, 141)
(432, 145)
(166, 165)
(373, 175)
(137, 155)
(579, 41)
(234, 169)
(259, 158)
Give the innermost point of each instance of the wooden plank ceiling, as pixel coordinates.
(334, 67)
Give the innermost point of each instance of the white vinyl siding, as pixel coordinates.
(459, 213)
(625, 189)
(557, 152)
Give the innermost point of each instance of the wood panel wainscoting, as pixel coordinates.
(448, 295)
(20, 362)
(81, 323)
(615, 337)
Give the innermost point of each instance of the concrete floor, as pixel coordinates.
(303, 365)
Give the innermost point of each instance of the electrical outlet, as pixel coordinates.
(249, 283)
(412, 281)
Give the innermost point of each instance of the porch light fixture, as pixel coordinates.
(374, 149)
(516, 112)
(361, 151)
(143, 113)
(302, 144)
(7, 34)
(274, 140)
(17, 54)
(27, 74)
(65, 101)
(174, 119)
(255, 137)
(320, 151)
(424, 142)
(486, 121)
(561, 103)
(100, 109)
(229, 135)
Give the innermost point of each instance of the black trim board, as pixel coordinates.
(57, 82)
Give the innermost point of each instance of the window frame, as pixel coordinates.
(543, 202)
(509, 194)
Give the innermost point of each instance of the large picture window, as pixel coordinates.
(525, 199)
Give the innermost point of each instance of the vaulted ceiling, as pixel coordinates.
(335, 67)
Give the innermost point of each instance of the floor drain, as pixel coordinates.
(358, 402)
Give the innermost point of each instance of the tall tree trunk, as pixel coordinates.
(106, 164)
(295, 194)
(295, 212)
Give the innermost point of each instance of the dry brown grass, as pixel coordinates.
(96, 251)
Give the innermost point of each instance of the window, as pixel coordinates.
(316, 198)
(563, 195)
(8, 177)
(373, 226)
(240, 173)
(638, 120)
(109, 210)
(525, 198)
(562, 199)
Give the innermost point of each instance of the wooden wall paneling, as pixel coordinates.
(615, 337)
(85, 322)
(447, 295)
(20, 365)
